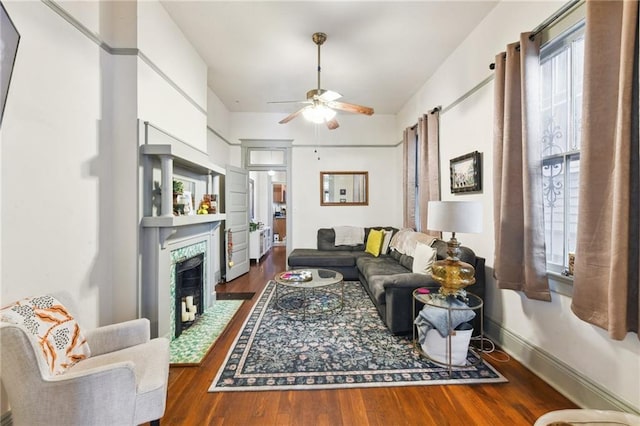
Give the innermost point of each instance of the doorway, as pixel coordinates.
(279, 208)
(268, 164)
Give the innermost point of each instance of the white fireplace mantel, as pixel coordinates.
(162, 157)
(158, 245)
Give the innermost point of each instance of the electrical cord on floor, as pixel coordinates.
(490, 350)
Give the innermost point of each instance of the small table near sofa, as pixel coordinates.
(445, 349)
(309, 291)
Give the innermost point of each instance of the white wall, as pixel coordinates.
(70, 147)
(217, 114)
(541, 333)
(378, 129)
(262, 188)
(218, 145)
(54, 165)
(176, 103)
(385, 199)
(360, 144)
(57, 166)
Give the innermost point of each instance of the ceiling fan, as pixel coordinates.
(322, 104)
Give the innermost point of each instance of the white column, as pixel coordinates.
(166, 164)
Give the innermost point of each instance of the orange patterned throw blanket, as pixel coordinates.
(54, 332)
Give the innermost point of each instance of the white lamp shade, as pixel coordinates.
(455, 216)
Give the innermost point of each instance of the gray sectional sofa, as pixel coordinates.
(388, 278)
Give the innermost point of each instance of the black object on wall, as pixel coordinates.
(9, 40)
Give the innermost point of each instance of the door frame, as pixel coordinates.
(284, 145)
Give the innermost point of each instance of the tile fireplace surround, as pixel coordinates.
(159, 258)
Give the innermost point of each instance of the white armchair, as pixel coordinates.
(122, 382)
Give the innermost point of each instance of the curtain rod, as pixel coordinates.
(548, 22)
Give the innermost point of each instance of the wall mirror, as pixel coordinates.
(344, 188)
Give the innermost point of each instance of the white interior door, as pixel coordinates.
(237, 222)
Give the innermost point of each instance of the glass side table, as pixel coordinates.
(437, 302)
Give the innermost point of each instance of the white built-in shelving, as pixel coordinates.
(260, 242)
(178, 156)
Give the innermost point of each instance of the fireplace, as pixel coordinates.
(189, 303)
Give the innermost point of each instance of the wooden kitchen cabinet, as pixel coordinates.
(280, 227)
(279, 193)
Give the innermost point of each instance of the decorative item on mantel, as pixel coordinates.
(454, 216)
(178, 189)
(208, 205)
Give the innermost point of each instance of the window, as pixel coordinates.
(561, 63)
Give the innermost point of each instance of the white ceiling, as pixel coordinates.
(377, 53)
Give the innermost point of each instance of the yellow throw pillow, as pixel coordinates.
(374, 242)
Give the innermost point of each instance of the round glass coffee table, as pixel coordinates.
(309, 291)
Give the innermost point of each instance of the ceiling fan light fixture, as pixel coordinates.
(318, 114)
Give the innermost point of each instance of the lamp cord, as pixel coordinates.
(490, 351)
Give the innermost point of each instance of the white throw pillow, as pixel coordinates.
(423, 258)
(385, 242)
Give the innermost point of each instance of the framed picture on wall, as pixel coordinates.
(466, 173)
(9, 39)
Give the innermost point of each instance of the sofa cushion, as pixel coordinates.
(405, 240)
(378, 284)
(423, 259)
(406, 261)
(321, 259)
(386, 241)
(348, 235)
(374, 242)
(383, 265)
(395, 255)
(326, 242)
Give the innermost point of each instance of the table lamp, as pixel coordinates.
(454, 216)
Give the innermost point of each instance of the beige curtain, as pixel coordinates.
(520, 261)
(409, 176)
(429, 165)
(606, 266)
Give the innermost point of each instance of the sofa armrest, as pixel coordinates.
(114, 337)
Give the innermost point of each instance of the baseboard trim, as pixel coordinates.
(5, 419)
(572, 384)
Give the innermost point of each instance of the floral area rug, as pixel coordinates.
(193, 344)
(353, 348)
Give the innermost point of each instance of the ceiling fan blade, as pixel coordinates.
(306, 101)
(330, 95)
(332, 124)
(291, 116)
(343, 106)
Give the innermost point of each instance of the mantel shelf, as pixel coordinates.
(174, 221)
(185, 156)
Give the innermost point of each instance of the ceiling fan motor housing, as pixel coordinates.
(311, 94)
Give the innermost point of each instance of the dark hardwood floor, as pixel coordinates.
(519, 402)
